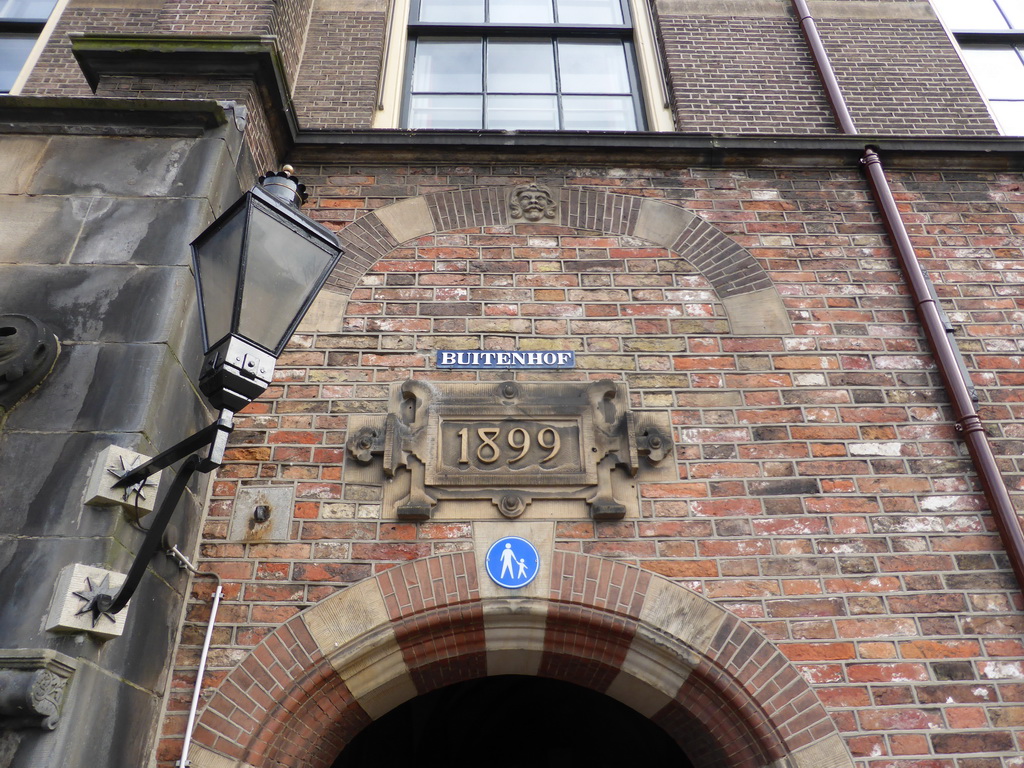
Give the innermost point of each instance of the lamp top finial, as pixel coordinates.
(285, 186)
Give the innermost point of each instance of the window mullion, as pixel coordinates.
(484, 84)
(558, 83)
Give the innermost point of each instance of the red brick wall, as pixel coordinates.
(822, 493)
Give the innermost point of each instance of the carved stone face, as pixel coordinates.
(532, 202)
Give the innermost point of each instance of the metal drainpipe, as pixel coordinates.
(947, 356)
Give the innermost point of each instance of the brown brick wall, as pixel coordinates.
(57, 73)
(743, 75)
(289, 23)
(904, 77)
(822, 494)
(337, 85)
(218, 17)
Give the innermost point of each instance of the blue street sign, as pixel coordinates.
(512, 562)
(481, 359)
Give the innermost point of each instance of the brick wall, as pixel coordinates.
(904, 77)
(822, 494)
(217, 17)
(57, 73)
(743, 75)
(337, 85)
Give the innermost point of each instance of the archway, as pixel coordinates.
(751, 302)
(509, 721)
(718, 688)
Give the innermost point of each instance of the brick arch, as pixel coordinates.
(718, 687)
(751, 301)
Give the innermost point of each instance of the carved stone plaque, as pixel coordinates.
(510, 444)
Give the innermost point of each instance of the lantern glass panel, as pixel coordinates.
(283, 268)
(217, 259)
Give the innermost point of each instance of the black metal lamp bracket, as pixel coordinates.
(99, 601)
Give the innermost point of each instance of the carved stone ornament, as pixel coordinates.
(511, 444)
(32, 685)
(27, 353)
(532, 203)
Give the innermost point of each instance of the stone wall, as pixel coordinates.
(95, 231)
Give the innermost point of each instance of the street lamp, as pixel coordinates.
(257, 268)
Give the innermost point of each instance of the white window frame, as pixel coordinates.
(654, 92)
(1011, 39)
(37, 49)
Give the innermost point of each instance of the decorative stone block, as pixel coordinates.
(471, 443)
(261, 514)
(32, 686)
(407, 219)
(110, 465)
(75, 583)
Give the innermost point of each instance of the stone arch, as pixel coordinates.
(718, 687)
(748, 295)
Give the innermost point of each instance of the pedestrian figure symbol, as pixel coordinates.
(512, 562)
(507, 557)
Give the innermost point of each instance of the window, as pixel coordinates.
(522, 65)
(21, 25)
(990, 35)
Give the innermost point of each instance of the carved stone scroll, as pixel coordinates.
(510, 443)
(32, 684)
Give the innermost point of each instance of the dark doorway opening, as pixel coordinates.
(512, 721)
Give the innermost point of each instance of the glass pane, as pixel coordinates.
(217, 258)
(598, 113)
(446, 112)
(281, 268)
(14, 50)
(970, 14)
(589, 11)
(1010, 115)
(26, 9)
(593, 66)
(520, 66)
(467, 11)
(1014, 11)
(997, 69)
(448, 66)
(522, 113)
(521, 12)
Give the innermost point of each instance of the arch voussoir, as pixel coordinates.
(745, 288)
(722, 690)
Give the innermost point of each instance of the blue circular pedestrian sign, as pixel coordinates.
(512, 562)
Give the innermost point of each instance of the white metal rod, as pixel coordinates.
(183, 762)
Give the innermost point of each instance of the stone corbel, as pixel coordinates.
(32, 687)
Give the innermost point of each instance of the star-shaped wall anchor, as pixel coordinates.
(97, 600)
(139, 488)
